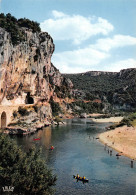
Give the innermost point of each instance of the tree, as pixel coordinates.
(24, 22)
(13, 26)
(25, 171)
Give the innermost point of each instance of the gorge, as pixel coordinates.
(33, 91)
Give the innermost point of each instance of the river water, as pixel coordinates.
(78, 151)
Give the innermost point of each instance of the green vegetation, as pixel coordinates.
(133, 123)
(15, 114)
(86, 107)
(62, 92)
(107, 115)
(24, 22)
(25, 171)
(129, 120)
(19, 123)
(116, 89)
(102, 83)
(58, 119)
(13, 26)
(23, 111)
(88, 83)
(132, 119)
(35, 108)
(56, 109)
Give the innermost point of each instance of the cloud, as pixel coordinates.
(119, 65)
(79, 60)
(62, 64)
(115, 42)
(76, 28)
(57, 14)
(92, 57)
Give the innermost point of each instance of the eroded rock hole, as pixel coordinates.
(29, 99)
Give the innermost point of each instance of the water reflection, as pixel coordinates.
(46, 137)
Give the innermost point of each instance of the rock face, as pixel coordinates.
(27, 75)
(98, 73)
(24, 68)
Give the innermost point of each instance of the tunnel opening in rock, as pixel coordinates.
(29, 99)
(3, 120)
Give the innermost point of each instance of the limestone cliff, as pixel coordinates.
(24, 67)
(27, 75)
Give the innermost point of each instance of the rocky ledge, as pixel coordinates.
(25, 130)
(29, 129)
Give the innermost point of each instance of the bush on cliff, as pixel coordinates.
(23, 111)
(24, 22)
(13, 26)
(25, 171)
(56, 109)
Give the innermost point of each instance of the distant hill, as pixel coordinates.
(116, 88)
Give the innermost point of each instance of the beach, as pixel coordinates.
(122, 139)
(108, 120)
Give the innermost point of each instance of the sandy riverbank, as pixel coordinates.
(108, 120)
(95, 115)
(122, 139)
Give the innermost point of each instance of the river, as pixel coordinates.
(78, 151)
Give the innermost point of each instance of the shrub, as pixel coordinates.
(26, 171)
(56, 109)
(58, 119)
(12, 25)
(127, 120)
(88, 107)
(23, 111)
(15, 114)
(35, 108)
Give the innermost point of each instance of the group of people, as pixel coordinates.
(78, 177)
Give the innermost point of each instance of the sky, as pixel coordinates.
(89, 35)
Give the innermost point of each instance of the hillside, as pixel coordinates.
(116, 88)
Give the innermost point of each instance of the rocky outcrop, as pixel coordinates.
(27, 75)
(24, 67)
(98, 73)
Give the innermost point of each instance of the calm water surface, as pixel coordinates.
(77, 151)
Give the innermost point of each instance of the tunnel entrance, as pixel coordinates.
(29, 99)
(3, 120)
